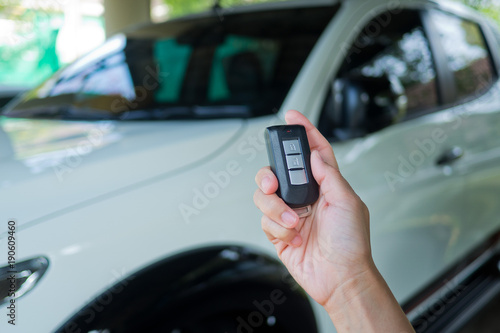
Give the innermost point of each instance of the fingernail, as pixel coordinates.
(297, 241)
(288, 218)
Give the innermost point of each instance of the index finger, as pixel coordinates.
(266, 180)
(316, 140)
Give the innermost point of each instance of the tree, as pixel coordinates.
(182, 7)
(490, 8)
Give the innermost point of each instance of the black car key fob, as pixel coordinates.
(290, 160)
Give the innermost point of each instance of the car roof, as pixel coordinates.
(182, 23)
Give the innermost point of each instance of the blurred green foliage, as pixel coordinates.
(182, 7)
(490, 8)
(28, 40)
(29, 56)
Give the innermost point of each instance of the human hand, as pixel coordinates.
(332, 245)
(328, 253)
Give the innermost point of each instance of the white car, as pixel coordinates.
(127, 177)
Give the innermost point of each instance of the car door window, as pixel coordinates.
(496, 33)
(466, 54)
(385, 77)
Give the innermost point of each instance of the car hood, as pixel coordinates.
(49, 166)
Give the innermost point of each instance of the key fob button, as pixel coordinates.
(297, 177)
(292, 147)
(294, 161)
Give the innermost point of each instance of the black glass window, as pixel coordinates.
(242, 66)
(388, 74)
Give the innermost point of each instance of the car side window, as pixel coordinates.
(496, 33)
(387, 74)
(466, 53)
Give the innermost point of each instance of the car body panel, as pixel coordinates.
(139, 233)
(399, 162)
(66, 158)
(479, 124)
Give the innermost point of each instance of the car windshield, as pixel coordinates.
(239, 65)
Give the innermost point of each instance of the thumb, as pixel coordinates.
(331, 183)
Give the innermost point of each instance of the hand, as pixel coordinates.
(328, 253)
(332, 245)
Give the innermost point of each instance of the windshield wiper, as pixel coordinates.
(61, 112)
(189, 112)
(71, 112)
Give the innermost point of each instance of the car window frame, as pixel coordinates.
(445, 77)
(436, 61)
(446, 88)
(492, 39)
(418, 10)
(445, 83)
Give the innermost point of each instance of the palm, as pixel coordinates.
(331, 245)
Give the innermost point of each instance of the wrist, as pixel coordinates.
(354, 287)
(365, 303)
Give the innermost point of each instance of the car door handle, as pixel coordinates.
(21, 277)
(450, 156)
